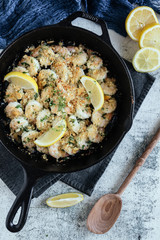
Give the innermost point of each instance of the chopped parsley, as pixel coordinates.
(18, 106)
(47, 100)
(71, 140)
(88, 97)
(45, 117)
(52, 103)
(104, 116)
(25, 129)
(62, 103)
(72, 120)
(25, 64)
(35, 96)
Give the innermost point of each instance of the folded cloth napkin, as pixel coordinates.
(11, 172)
(20, 16)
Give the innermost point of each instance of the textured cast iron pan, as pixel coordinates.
(34, 167)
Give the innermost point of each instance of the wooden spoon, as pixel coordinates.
(107, 209)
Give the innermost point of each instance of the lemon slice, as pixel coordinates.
(146, 59)
(22, 80)
(64, 200)
(94, 91)
(137, 19)
(150, 36)
(52, 135)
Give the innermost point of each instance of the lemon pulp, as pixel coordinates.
(137, 19)
(53, 135)
(22, 80)
(94, 91)
(146, 59)
(64, 200)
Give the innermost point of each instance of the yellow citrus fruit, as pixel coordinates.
(94, 91)
(137, 19)
(64, 200)
(22, 80)
(53, 135)
(146, 59)
(150, 36)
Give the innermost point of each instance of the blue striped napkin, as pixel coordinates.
(20, 16)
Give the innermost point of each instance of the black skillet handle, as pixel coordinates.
(68, 22)
(21, 202)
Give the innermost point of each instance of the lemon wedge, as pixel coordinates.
(22, 80)
(150, 36)
(137, 19)
(94, 91)
(53, 135)
(64, 200)
(146, 59)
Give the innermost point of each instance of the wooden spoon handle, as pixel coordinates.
(139, 162)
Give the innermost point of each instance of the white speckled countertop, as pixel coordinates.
(140, 216)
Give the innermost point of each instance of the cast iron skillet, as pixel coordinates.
(33, 166)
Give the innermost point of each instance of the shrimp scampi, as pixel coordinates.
(60, 105)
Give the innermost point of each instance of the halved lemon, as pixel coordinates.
(146, 59)
(137, 19)
(53, 135)
(64, 200)
(150, 36)
(94, 91)
(22, 80)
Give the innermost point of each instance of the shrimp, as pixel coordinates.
(29, 94)
(109, 106)
(83, 110)
(20, 69)
(18, 124)
(77, 72)
(44, 119)
(75, 125)
(61, 70)
(95, 134)
(69, 145)
(101, 119)
(79, 59)
(44, 54)
(82, 141)
(13, 109)
(62, 51)
(56, 152)
(68, 91)
(31, 110)
(28, 139)
(42, 149)
(58, 105)
(13, 93)
(46, 95)
(72, 49)
(31, 64)
(98, 74)
(94, 62)
(46, 77)
(109, 87)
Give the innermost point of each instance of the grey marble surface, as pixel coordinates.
(140, 216)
